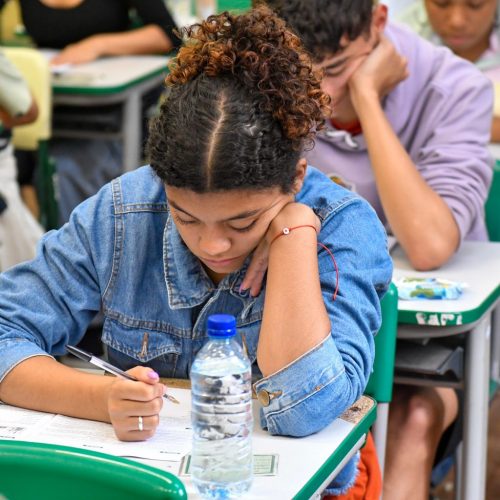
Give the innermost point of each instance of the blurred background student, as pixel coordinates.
(470, 28)
(19, 231)
(82, 31)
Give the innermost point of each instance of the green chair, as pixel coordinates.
(380, 384)
(233, 5)
(46, 471)
(492, 215)
(492, 206)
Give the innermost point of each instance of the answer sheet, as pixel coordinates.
(171, 441)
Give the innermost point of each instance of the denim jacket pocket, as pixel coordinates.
(135, 346)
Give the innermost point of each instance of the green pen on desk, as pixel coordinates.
(86, 356)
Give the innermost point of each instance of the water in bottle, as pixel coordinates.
(221, 412)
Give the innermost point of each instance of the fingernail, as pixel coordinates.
(242, 288)
(153, 375)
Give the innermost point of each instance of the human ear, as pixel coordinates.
(379, 18)
(300, 173)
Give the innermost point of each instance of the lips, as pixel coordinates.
(220, 262)
(455, 40)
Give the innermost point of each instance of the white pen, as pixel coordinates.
(86, 356)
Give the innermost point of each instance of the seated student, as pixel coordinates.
(468, 27)
(163, 247)
(409, 132)
(19, 231)
(84, 30)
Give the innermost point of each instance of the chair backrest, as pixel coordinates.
(233, 5)
(380, 384)
(492, 207)
(46, 471)
(35, 69)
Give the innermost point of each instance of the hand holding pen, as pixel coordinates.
(134, 408)
(107, 367)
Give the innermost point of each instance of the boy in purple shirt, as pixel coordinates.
(408, 131)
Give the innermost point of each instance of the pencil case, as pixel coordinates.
(412, 288)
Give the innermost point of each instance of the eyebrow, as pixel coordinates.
(242, 215)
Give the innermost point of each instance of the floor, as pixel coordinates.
(446, 490)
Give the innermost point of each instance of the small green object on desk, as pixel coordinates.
(415, 288)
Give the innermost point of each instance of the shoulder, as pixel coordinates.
(434, 69)
(325, 196)
(138, 190)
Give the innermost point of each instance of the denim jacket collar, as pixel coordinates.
(187, 282)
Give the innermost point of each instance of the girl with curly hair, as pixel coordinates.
(227, 218)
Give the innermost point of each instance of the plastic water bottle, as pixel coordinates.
(221, 413)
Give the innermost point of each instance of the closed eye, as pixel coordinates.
(333, 72)
(244, 229)
(183, 222)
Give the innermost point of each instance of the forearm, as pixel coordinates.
(495, 129)
(420, 219)
(149, 39)
(295, 318)
(41, 383)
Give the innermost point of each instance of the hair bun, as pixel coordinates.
(258, 50)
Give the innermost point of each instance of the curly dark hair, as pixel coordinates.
(320, 24)
(242, 102)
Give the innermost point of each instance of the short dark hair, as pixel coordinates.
(320, 24)
(242, 103)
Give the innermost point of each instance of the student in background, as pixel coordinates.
(84, 30)
(19, 231)
(408, 131)
(470, 28)
(163, 247)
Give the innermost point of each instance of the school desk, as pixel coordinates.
(477, 264)
(111, 80)
(305, 465)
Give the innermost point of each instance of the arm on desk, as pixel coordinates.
(334, 359)
(48, 303)
(149, 39)
(419, 218)
(41, 383)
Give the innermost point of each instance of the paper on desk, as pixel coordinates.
(58, 69)
(17, 423)
(171, 441)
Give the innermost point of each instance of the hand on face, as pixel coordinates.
(291, 215)
(128, 400)
(380, 71)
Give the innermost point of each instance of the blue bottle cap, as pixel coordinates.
(221, 325)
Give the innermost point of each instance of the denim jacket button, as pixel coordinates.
(263, 397)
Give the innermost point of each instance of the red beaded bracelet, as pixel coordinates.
(287, 230)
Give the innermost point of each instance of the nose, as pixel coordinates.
(457, 17)
(213, 242)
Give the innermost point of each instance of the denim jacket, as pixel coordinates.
(121, 252)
